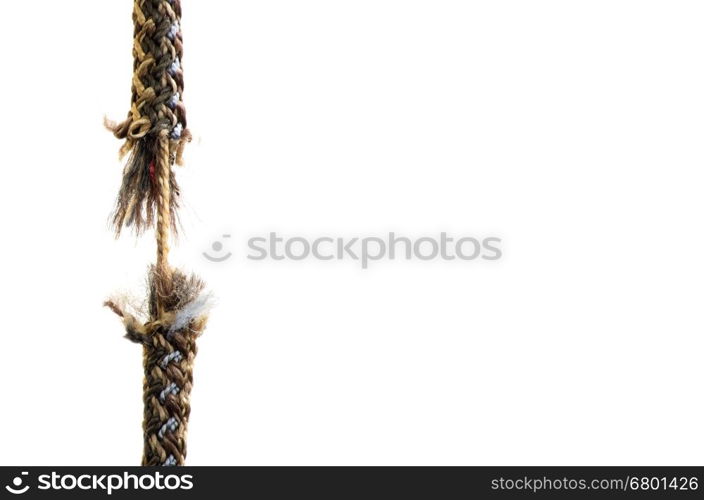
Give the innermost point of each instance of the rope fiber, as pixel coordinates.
(176, 313)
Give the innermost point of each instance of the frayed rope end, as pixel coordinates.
(185, 310)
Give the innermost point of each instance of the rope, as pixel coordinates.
(157, 110)
(163, 223)
(155, 133)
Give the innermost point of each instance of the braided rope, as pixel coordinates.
(157, 110)
(169, 354)
(168, 341)
(155, 133)
(157, 83)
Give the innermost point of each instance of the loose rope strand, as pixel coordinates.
(163, 224)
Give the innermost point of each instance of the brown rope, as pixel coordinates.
(155, 133)
(157, 109)
(169, 354)
(163, 223)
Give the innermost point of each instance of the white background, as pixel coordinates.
(572, 129)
